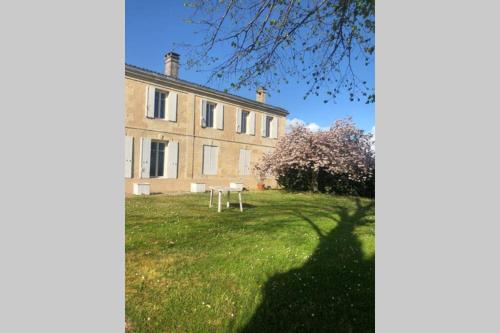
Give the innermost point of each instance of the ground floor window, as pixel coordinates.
(210, 160)
(244, 167)
(157, 159)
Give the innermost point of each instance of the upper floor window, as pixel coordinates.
(210, 114)
(269, 121)
(269, 126)
(160, 101)
(161, 104)
(244, 121)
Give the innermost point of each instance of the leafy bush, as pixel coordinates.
(299, 180)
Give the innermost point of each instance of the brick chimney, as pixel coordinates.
(261, 95)
(172, 64)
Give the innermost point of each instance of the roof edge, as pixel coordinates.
(146, 74)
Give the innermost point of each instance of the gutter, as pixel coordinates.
(161, 79)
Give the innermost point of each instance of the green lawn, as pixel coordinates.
(288, 263)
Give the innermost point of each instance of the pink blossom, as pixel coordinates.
(342, 149)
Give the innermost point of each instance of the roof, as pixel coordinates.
(152, 76)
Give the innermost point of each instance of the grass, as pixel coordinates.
(288, 263)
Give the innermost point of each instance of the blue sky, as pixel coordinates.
(154, 27)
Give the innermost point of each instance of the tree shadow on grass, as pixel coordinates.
(245, 205)
(334, 291)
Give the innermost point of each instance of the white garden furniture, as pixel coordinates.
(220, 190)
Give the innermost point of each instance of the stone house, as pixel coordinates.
(178, 132)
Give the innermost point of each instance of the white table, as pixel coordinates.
(220, 190)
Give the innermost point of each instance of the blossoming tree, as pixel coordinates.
(341, 151)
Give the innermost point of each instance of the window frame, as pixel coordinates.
(157, 111)
(268, 124)
(155, 159)
(210, 112)
(245, 115)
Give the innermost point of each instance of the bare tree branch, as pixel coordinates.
(320, 42)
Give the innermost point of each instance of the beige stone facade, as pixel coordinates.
(186, 135)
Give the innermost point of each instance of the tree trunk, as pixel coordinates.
(314, 181)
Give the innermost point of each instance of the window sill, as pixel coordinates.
(213, 128)
(162, 119)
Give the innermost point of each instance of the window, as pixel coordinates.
(210, 160)
(160, 101)
(244, 121)
(269, 121)
(157, 159)
(244, 167)
(210, 114)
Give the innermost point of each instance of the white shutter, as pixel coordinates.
(242, 162)
(251, 123)
(274, 128)
(172, 106)
(244, 165)
(247, 162)
(219, 116)
(206, 160)
(263, 125)
(129, 153)
(203, 116)
(145, 157)
(238, 120)
(210, 160)
(150, 103)
(213, 159)
(173, 158)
